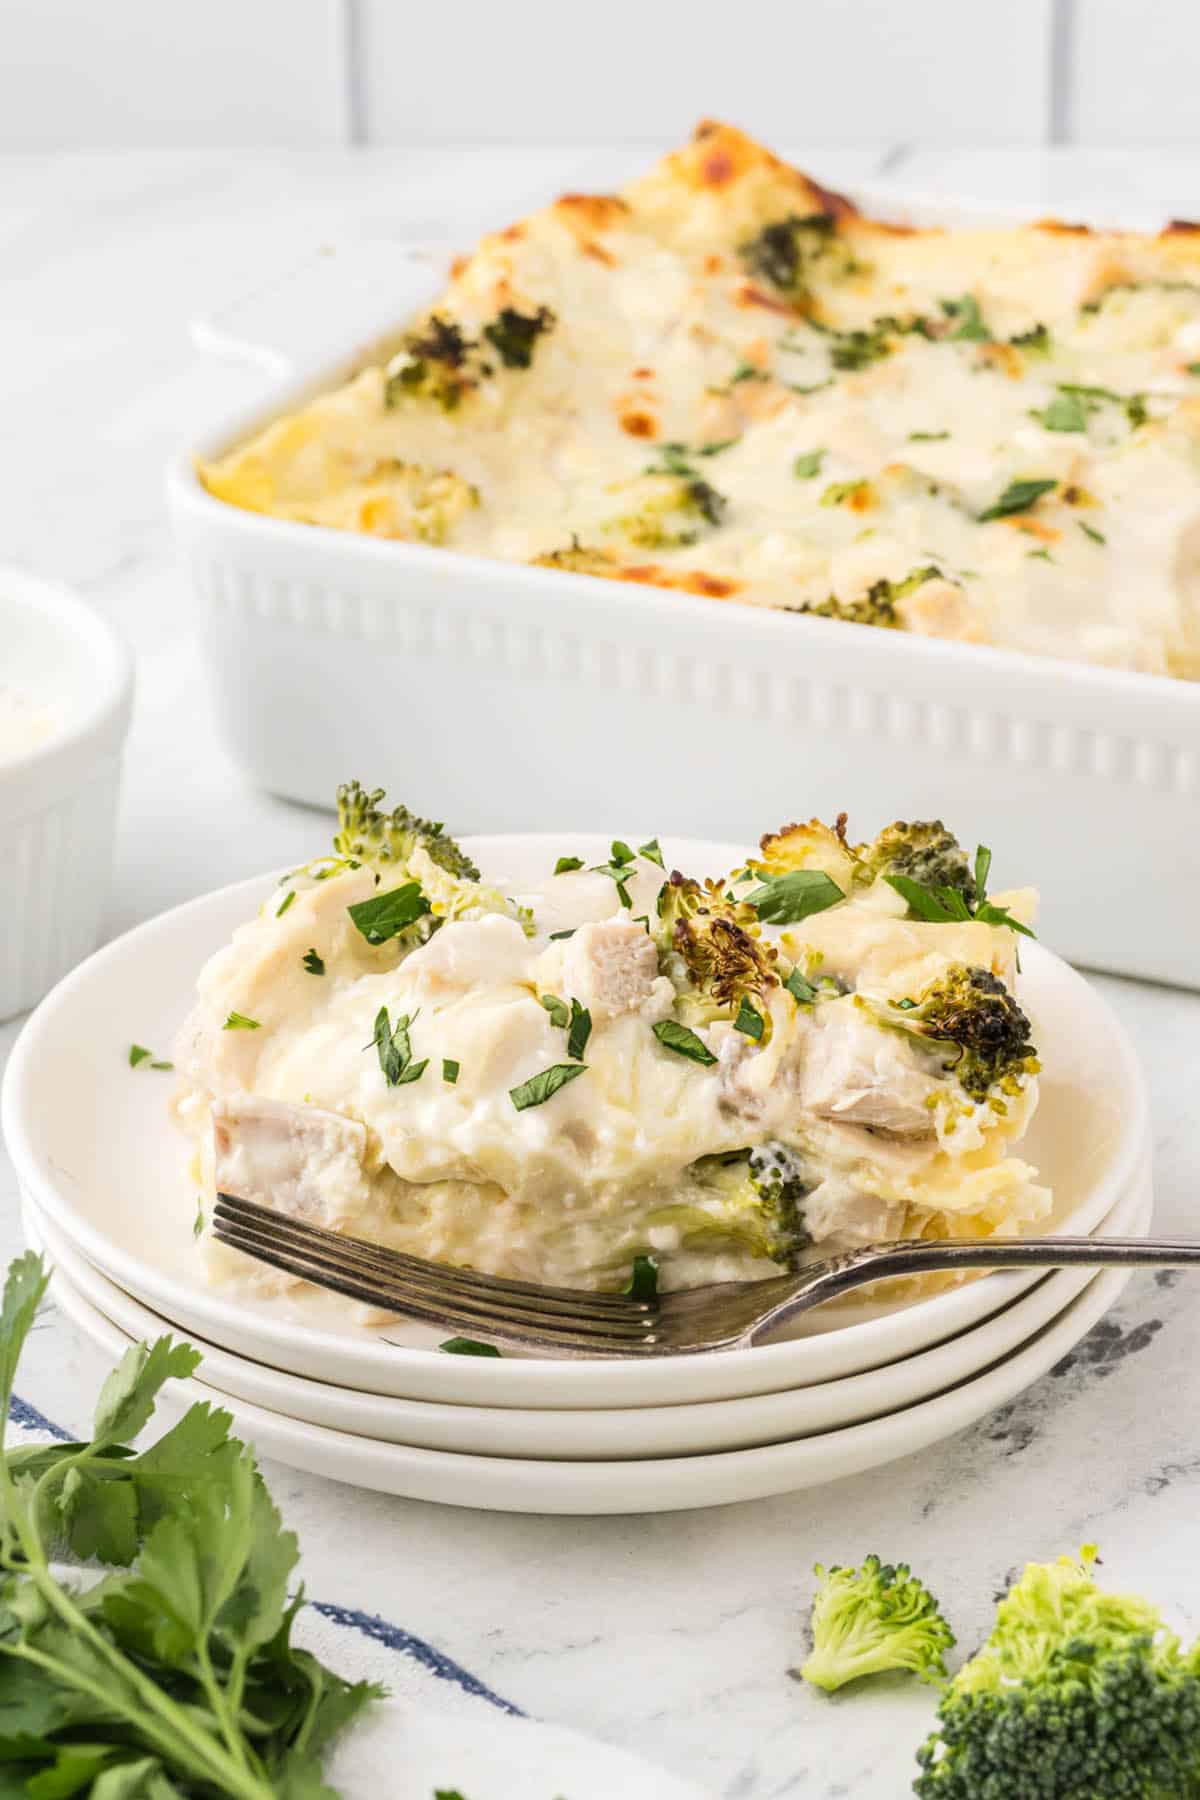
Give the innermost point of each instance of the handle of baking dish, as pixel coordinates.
(334, 302)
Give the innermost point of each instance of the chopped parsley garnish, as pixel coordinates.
(747, 372)
(239, 1022)
(619, 868)
(927, 437)
(566, 865)
(946, 905)
(395, 1049)
(384, 915)
(557, 1010)
(716, 449)
(285, 903)
(138, 1054)
(198, 1221)
(643, 1279)
(749, 1021)
(1066, 412)
(313, 963)
(786, 899)
(840, 491)
(1017, 497)
(579, 1031)
(1090, 531)
(968, 320)
(544, 1085)
(808, 465)
(1042, 555)
(514, 335)
(461, 1346)
(450, 1070)
(674, 1036)
(1193, 368)
(1035, 341)
(800, 988)
(569, 932)
(651, 851)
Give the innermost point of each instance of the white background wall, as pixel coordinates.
(124, 73)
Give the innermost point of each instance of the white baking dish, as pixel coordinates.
(58, 800)
(502, 697)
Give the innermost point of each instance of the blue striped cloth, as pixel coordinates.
(359, 1645)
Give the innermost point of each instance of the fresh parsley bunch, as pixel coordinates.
(173, 1674)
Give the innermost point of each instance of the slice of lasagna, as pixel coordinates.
(820, 1049)
(726, 380)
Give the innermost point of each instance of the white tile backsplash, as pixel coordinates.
(111, 74)
(825, 71)
(115, 74)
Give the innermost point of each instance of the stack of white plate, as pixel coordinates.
(105, 1191)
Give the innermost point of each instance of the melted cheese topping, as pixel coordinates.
(644, 1151)
(729, 382)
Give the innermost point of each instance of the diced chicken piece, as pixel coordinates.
(476, 953)
(612, 968)
(852, 1218)
(940, 609)
(855, 1073)
(298, 1160)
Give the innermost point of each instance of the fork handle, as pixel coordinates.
(884, 1262)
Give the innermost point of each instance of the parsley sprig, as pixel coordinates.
(394, 1048)
(176, 1673)
(946, 905)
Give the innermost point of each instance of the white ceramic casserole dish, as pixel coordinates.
(58, 796)
(502, 697)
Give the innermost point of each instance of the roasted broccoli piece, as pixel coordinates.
(583, 559)
(878, 605)
(367, 834)
(877, 1618)
(786, 252)
(514, 335)
(668, 516)
(973, 1025)
(432, 363)
(811, 846)
(923, 851)
(1077, 1695)
(712, 947)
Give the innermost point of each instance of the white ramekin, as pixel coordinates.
(58, 802)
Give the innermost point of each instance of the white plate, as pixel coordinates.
(659, 1484)
(488, 1759)
(95, 1150)
(595, 1432)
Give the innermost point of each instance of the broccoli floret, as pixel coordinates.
(514, 335)
(367, 834)
(667, 518)
(1077, 1695)
(810, 846)
(431, 364)
(877, 606)
(924, 851)
(971, 1021)
(752, 1199)
(712, 947)
(785, 252)
(778, 1177)
(583, 559)
(868, 1620)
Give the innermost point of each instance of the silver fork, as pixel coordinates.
(578, 1322)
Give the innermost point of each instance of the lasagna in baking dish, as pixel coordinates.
(725, 380)
(824, 1047)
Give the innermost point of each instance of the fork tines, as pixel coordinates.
(558, 1318)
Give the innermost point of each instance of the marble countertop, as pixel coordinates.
(675, 1634)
